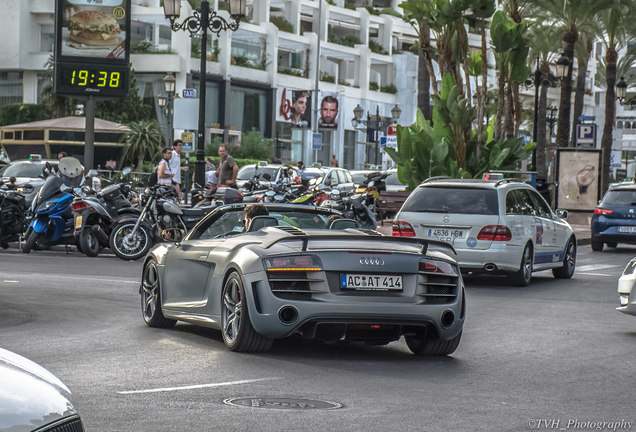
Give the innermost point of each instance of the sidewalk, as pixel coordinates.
(581, 230)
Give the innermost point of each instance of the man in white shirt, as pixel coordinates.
(175, 166)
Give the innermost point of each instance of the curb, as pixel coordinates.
(583, 241)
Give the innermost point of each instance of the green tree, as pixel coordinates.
(125, 110)
(141, 142)
(570, 16)
(23, 113)
(253, 146)
(614, 27)
(59, 106)
(418, 13)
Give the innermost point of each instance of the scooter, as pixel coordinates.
(95, 214)
(52, 221)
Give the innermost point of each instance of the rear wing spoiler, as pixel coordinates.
(306, 238)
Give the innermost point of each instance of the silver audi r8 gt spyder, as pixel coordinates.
(298, 272)
(32, 399)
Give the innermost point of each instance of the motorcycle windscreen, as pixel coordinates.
(50, 188)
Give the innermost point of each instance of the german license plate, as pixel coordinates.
(78, 222)
(627, 229)
(371, 282)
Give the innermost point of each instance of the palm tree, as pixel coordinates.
(542, 39)
(418, 13)
(570, 15)
(142, 142)
(614, 24)
(583, 52)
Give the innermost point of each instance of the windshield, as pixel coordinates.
(392, 179)
(24, 169)
(452, 200)
(248, 171)
(620, 197)
(232, 221)
(51, 187)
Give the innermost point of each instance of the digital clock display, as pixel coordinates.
(103, 80)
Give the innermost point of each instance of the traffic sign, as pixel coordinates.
(391, 130)
(586, 135)
(189, 93)
(316, 143)
(388, 141)
(188, 141)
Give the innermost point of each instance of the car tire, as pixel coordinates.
(4, 245)
(128, 248)
(433, 347)
(31, 239)
(612, 244)
(523, 276)
(236, 327)
(151, 298)
(569, 262)
(597, 246)
(89, 243)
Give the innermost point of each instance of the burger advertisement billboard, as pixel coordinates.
(92, 47)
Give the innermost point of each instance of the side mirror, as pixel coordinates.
(12, 179)
(126, 171)
(563, 214)
(312, 182)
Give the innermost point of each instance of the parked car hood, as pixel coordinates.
(30, 396)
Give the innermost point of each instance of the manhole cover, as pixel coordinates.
(282, 403)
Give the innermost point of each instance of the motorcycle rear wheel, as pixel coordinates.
(89, 243)
(129, 246)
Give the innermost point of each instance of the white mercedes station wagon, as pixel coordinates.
(496, 227)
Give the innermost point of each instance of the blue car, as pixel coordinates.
(614, 219)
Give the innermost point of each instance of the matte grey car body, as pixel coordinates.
(33, 399)
(27, 172)
(300, 278)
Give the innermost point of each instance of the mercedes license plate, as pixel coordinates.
(371, 282)
(78, 222)
(627, 229)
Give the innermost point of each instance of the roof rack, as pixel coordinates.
(508, 180)
(437, 178)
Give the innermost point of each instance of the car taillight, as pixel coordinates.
(434, 266)
(602, 211)
(80, 205)
(302, 263)
(495, 233)
(403, 229)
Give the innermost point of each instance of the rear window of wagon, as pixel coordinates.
(452, 199)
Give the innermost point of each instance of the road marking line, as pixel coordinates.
(101, 278)
(599, 274)
(11, 281)
(199, 386)
(591, 267)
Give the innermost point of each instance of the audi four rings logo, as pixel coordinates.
(370, 261)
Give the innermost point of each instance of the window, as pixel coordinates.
(620, 197)
(10, 88)
(541, 208)
(519, 203)
(47, 37)
(458, 200)
(619, 125)
(248, 109)
(342, 178)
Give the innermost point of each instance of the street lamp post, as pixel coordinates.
(166, 102)
(375, 122)
(621, 93)
(202, 21)
(538, 81)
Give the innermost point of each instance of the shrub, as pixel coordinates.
(374, 86)
(282, 24)
(389, 88)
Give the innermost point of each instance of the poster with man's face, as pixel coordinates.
(578, 179)
(93, 28)
(294, 106)
(328, 110)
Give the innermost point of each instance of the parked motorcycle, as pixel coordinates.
(52, 221)
(13, 211)
(160, 218)
(95, 214)
(352, 207)
(219, 195)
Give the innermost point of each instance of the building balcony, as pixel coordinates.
(41, 6)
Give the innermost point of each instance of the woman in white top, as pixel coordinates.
(164, 174)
